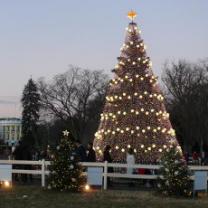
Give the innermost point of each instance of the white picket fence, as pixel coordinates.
(41, 168)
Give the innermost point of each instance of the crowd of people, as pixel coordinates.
(22, 152)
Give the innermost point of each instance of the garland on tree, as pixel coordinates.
(174, 174)
(66, 174)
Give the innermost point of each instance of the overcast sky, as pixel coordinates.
(42, 37)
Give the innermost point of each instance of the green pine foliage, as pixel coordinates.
(66, 174)
(174, 175)
(30, 114)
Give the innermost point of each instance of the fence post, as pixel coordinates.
(105, 174)
(43, 173)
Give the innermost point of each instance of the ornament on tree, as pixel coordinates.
(134, 113)
(66, 174)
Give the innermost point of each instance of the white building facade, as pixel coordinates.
(10, 130)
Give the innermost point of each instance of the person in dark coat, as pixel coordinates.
(26, 154)
(107, 156)
(17, 154)
(91, 156)
(80, 151)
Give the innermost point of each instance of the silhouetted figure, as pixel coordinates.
(80, 151)
(26, 155)
(23, 152)
(17, 154)
(91, 156)
(195, 157)
(107, 157)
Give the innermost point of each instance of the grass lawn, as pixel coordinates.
(32, 197)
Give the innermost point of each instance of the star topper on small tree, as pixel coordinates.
(65, 133)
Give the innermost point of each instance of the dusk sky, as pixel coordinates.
(40, 38)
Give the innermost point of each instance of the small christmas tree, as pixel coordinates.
(174, 174)
(66, 173)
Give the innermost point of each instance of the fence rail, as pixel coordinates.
(43, 169)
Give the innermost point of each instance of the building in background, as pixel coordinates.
(10, 130)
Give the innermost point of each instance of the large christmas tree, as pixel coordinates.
(134, 114)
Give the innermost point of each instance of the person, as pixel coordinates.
(195, 157)
(130, 159)
(107, 157)
(17, 155)
(80, 151)
(91, 156)
(26, 155)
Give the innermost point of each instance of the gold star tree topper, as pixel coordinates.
(132, 15)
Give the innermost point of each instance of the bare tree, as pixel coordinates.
(69, 96)
(187, 98)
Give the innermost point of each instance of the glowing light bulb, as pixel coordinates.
(87, 187)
